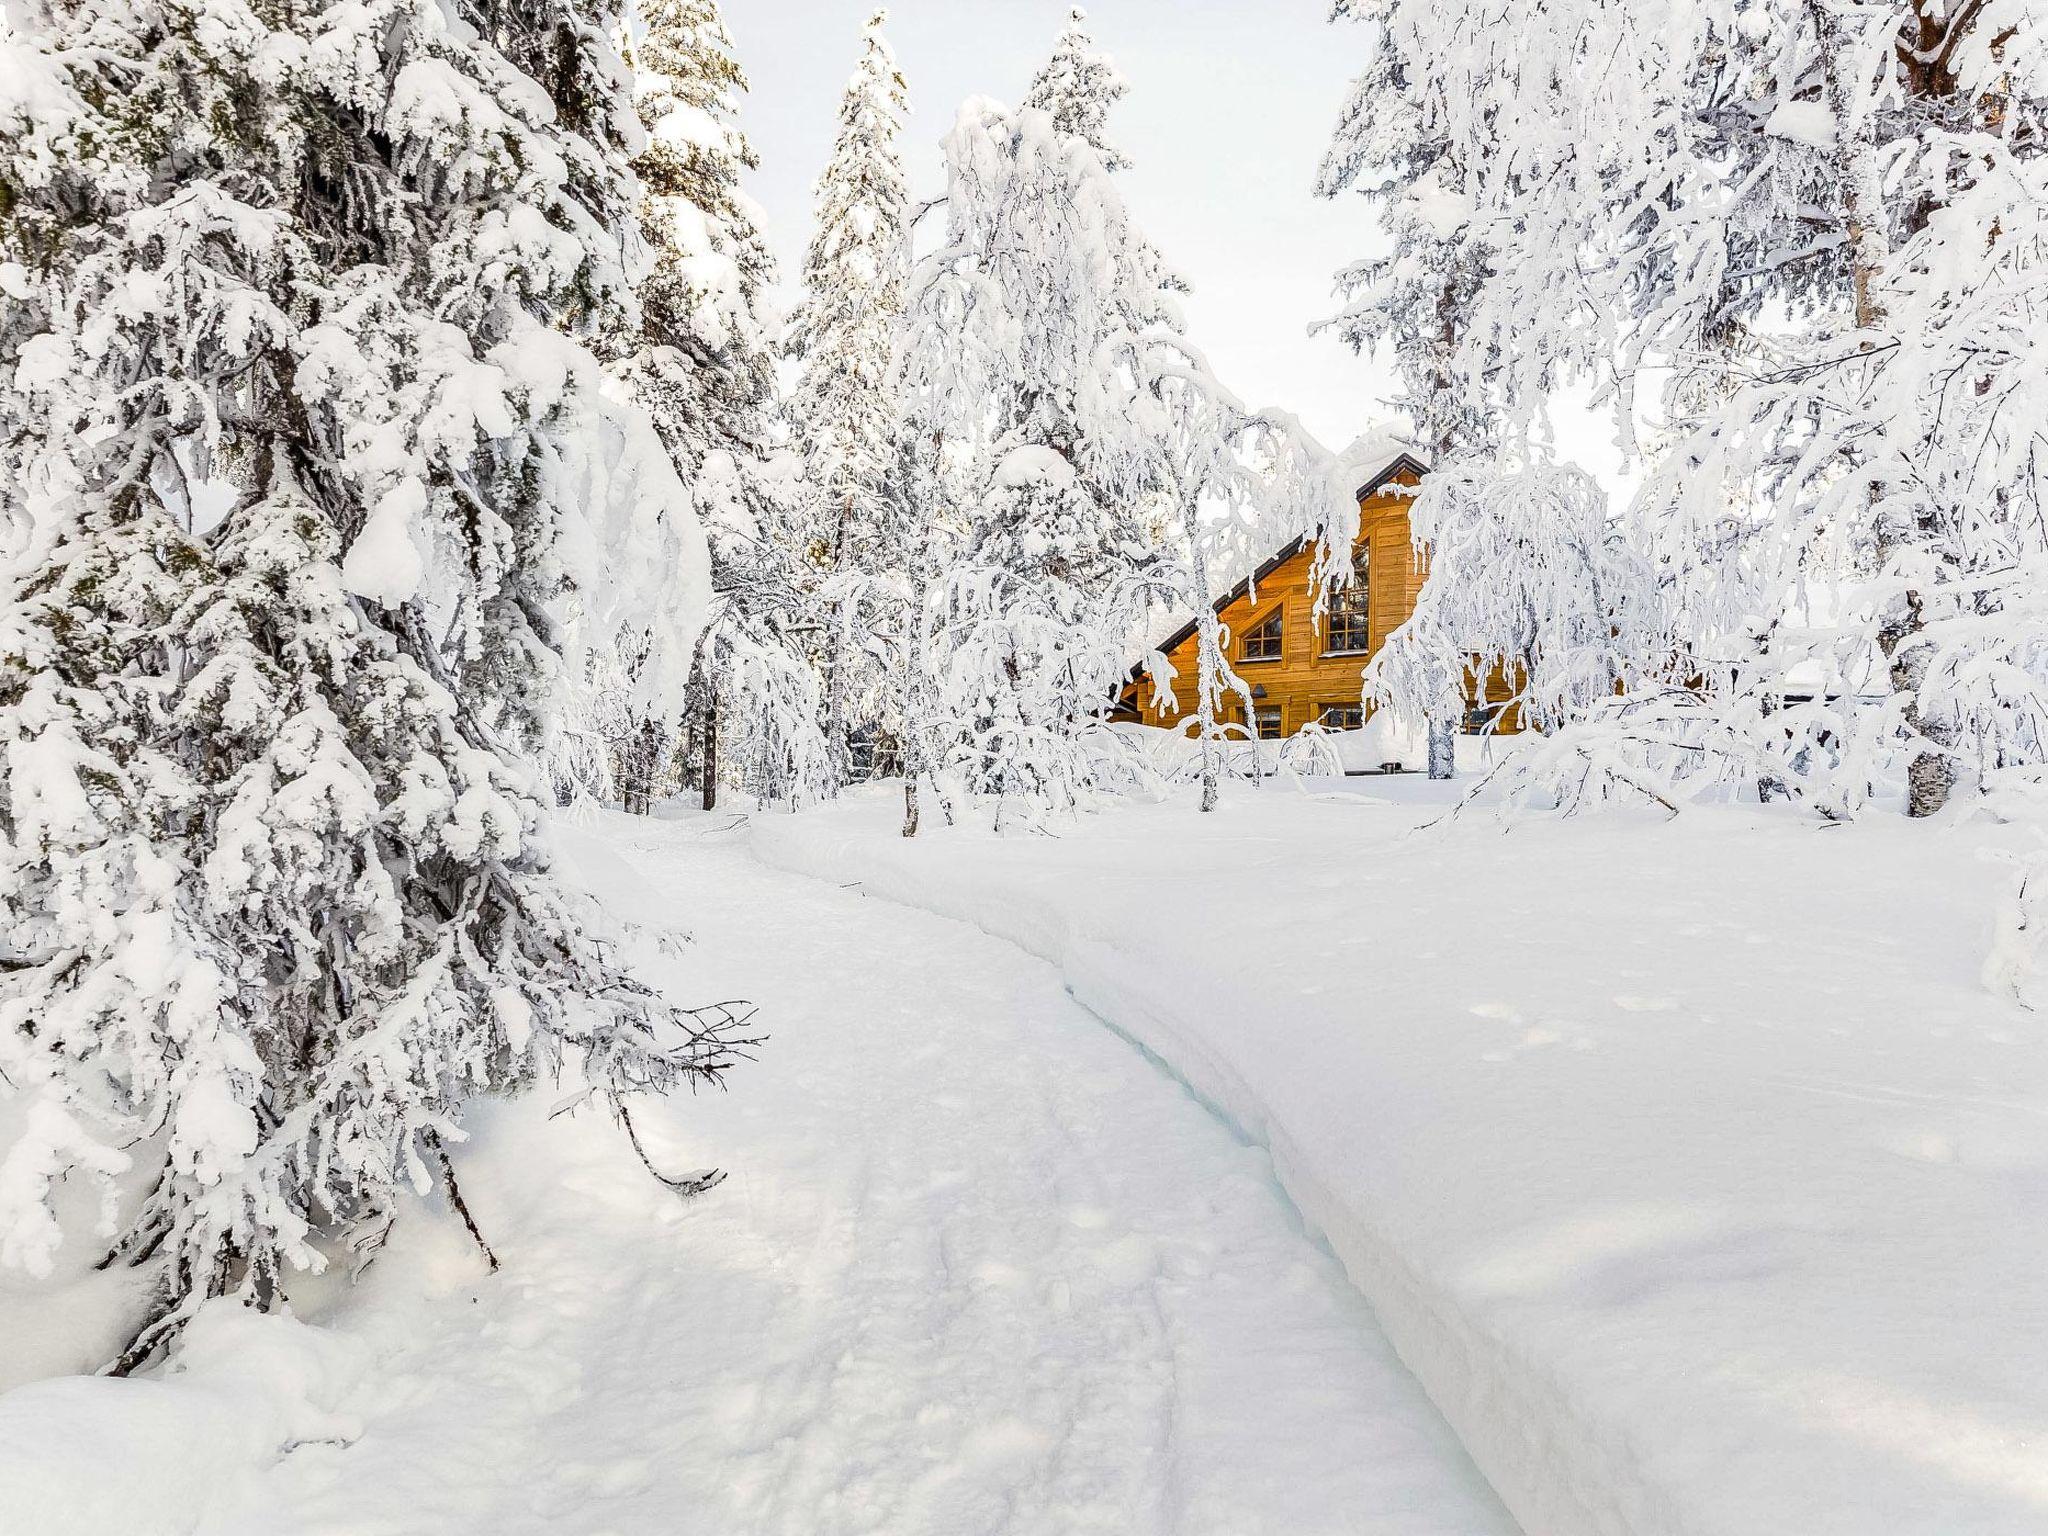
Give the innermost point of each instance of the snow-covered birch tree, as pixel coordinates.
(289, 361)
(1233, 480)
(1020, 360)
(1816, 222)
(1531, 584)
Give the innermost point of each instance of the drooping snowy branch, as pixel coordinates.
(1819, 225)
(1530, 585)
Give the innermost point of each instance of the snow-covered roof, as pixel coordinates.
(1373, 457)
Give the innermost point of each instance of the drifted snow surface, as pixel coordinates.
(1690, 1165)
(979, 1267)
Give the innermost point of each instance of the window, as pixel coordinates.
(1351, 607)
(1481, 719)
(1342, 717)
(1267, 719)
(1262, 643)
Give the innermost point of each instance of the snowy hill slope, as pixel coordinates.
(1688, 1165)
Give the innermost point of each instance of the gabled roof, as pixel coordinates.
(1386, 470)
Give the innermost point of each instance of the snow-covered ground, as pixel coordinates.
(979, 1267)
(1689, 1165)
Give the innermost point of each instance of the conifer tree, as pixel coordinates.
(705, 370)
(843, 412)
(709, 376)
(288, 373)
(1077, 88)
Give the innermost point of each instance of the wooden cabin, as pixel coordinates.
(1298, 669)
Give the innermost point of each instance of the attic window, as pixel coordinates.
(1351, 607)
(1263, 642)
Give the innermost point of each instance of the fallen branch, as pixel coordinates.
(455, 1198)
(686, 1185)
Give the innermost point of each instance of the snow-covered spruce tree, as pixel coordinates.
(760, 709)
(1811, 218)
(842, 412)
(1078, 87)
(705, 371)
(638, 579)
(1022, 355)
(284, 369)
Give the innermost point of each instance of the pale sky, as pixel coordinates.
(1230, 106)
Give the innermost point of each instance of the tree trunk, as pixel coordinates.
(1443, 749)
(630, 777)
(838, 752)
(643, 762)
(1208, 658)
(909, 697)
(711, 756)
(838, 755)
(1931, 775)
(1442, 423)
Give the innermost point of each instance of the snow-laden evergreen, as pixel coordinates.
(705, 370)
(1077, 88)
(295, 402)
(842, 410)
(1820, 225)
(708, 374)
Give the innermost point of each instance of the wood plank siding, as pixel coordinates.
(1317, 668)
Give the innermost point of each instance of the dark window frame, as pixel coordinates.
(1483, 718)
(1350, 609)
(1279, 714)
(1324, 711)
(1277, 621)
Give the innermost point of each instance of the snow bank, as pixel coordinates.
(1383, 740)
(1688, 1165)
(92, 1456)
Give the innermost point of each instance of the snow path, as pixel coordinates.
(980, 1267)
(1689, 1163)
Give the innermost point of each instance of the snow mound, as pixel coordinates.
(97, 1456)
